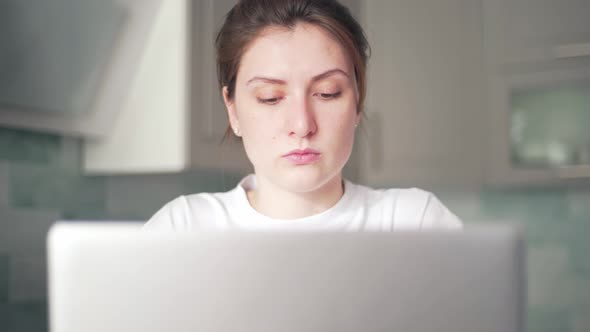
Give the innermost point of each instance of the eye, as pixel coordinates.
(329, 96)
(269, 101)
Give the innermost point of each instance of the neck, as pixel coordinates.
(277, 203)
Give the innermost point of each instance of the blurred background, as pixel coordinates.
(109, 109)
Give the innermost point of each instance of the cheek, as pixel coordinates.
(251, 117)
(258, 133)
(340, 123)
(340, 137)
(259, 127)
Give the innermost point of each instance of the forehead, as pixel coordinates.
(305, 51)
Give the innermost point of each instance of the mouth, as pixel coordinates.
(303, 157)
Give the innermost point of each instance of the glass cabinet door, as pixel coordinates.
(550, 125)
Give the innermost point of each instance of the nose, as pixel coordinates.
(302, 122)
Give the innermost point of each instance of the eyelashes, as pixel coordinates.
(328, 96)
(321, 96)
(269, 101)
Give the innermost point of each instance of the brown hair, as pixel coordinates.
(244, 22)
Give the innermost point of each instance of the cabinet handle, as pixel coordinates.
(205, 14)
(571, 51)
(376, 141)
(573, 172)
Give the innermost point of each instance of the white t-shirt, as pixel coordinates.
(360, 209)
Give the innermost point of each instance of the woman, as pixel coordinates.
(293, 78)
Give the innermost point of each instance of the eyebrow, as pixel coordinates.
(283, 82)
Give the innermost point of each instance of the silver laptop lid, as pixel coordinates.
(113, 277)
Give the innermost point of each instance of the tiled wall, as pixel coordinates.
(40, 182)
(557, 223)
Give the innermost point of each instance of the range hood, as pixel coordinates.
(66, 65)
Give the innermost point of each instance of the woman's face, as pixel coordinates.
(295, 107)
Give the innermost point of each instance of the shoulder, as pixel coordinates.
(391, 197)
(422, 209)
(202, 210)
(410, 208)
(187, 212)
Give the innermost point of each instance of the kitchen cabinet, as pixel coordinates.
(173, 118)
(425, 108)
(537, 64)
(527, 31)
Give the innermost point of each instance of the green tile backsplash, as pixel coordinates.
(28, 317)
(549, 320)
(41, 174)
(36, 186)
(4, 277)
(21, 145)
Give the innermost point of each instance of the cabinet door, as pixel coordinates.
(522, 31)
(208, 116)
(424, 105)
(532, 46)
(148, 134)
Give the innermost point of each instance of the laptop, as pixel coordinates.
(114, 277)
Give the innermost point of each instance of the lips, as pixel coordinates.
(303, 157)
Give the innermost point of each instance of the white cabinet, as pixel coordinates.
(425, 95)
(523, 31)
(442, 78)
(172, 118)
(542, 48)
